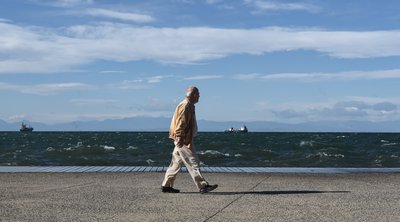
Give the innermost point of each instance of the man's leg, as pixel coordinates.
(173, 169)
(191, 162)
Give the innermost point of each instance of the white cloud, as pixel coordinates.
(54, 118)
(7, 86)
(156, 105)
(45, 89)
(113, 71)
(16, 118)
(51, 89)
(128, 84)
(125, 16)
(221, 4)
(74, 2)
(65, 3)
(341, 76)
(56, 88)
(374, 100)
(156, 79)
(92, 101)
(211, 2)
(336, 111)
(137, 83)
(205, 77)
(250, 76)
(36, 49)
(276, 5)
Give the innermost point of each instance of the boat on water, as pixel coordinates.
(242, 129)
(25, 128)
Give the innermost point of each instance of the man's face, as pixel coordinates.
(194, 97)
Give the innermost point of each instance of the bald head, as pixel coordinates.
(193, 94)
(190, 90)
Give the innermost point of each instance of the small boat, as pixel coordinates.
(25, 128)
(242, 129)
(230, 130)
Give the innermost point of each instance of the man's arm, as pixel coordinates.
(182, 123)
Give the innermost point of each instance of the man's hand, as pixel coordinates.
(179, 142)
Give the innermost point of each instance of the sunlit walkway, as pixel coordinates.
(106, 169)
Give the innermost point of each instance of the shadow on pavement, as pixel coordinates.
(284, 192)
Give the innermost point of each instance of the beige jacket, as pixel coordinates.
(184, 123)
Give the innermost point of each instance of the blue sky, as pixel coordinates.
(282, 61)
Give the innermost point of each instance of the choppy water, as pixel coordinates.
(214, 149)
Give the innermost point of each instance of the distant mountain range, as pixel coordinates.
(162, 124)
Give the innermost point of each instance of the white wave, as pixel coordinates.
(108, 147)
(74, 147)
(389, 144)
(323, 154)
(306, 143)
(49, 149)
(132, 148)
(79, 144)
(150, 161)
(213, 152)
(342, 137)
(330, 155)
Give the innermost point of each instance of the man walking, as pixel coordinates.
(182, 131)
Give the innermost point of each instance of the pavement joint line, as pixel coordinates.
(128, 169)
(124, 169)
(88, 169)
(236, 199)
(98, 169)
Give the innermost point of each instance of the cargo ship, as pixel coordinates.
(25, 128)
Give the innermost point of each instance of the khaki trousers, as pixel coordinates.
(187, 156)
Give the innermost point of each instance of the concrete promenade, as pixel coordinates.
(258, 196)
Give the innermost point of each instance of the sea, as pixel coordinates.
(253, 149)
